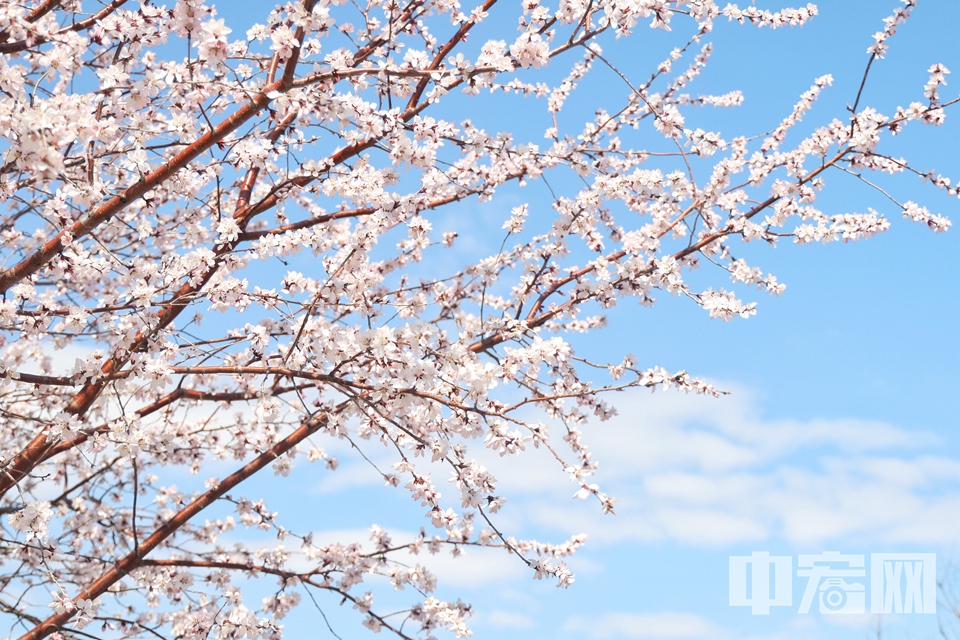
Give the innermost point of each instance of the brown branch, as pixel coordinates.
(42, 10)
(443, 53)
(239, 566)
(23, 45)
(35, 451)
(180, 393)
(533, 320)
(104, 212)
(217, 564)
(134, 559)
(116, 204)
(357, 213)
(306, 224)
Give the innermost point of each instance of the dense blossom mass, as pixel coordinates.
(229, 243)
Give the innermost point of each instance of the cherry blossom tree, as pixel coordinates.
(163, 169)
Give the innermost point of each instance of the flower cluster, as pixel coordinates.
(323, 239)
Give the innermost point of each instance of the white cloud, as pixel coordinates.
(476, 568)
(509, 620)
(352, 476)
(672, 430)
(62, 360)
(715, 472)
(659, 626)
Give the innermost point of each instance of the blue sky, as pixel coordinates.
(840, 430)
